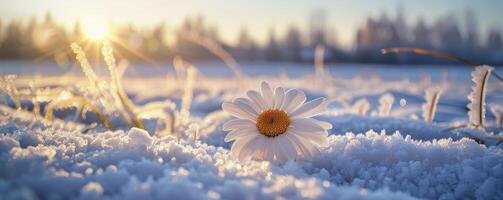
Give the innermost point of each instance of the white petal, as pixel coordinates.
(244, 105)
(237, 111)
(319, 138)
(267, 94)
(308, 144)
(288, 147)
(301, 146)
(306, 125)
(323, 124)
(249, 103)
(293, 99)
(309, 109)
(238, 133)
(278, 151)
(249, 148)
(261, 149)
(279, 94)
(270, 150)
(257, 99)
(238, 124)
(238, 144)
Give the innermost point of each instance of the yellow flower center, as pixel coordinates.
(273, 122)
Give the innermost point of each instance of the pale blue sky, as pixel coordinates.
(258, 15)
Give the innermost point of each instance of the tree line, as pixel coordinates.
(47, 39)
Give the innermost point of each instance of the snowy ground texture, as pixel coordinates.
(369, 157)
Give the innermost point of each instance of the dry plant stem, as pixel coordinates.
(478, 140)
(84, 64)
(482, 99)
(217, 50)
(432, 97)
(117, 85)
(435, 54)
(188, 94)
(454, 128)
(179, 66)
(36, 107)
(195, 135)
(34, 101)
(318, 60)
(79, 113)
(385, 104)
(432, 107)
(476, 98)
(83, 102)
(10, 88)
(89, 72)
(323, 75)
(89, 128)
(361, 107)
(172, 122)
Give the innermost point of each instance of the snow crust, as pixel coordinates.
(58, 163)
(393, 156)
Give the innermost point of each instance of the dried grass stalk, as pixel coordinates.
(76, 101)
(361, 107)
(121, 98)
(497, 111)
(217, 50)
(188, 94)
(476, 107)
(7, 85)
(319, 54)
(385, 104)
(429, 108)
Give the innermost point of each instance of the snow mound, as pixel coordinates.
(133, 164)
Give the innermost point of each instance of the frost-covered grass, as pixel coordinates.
(374, 152)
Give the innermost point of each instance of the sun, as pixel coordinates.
(96, 29)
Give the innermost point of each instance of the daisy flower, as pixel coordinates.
(275, 125)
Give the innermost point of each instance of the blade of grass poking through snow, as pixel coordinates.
(477, 111)
(94, 82)
(322, 75)
(122, 67)
(429, 108)
(155, 109)
(171, 122)
(434, 54)
(193, 130)
(84, 64)
(187, 96)
(164, 110)
(34, 99)
(76, 101)
(319, 67)
(116, 85)
(8, 86)
(497, 111)
(215, 49)
(178, 64)
(385, 104)
(361, 107)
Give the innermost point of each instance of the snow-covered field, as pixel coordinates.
(369, 156)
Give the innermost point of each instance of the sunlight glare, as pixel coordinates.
(96, 29)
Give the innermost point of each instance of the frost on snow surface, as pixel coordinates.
(58, 163)
(370, 156)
